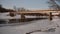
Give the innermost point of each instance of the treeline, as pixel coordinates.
(2, 10)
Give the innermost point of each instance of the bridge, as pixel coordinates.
(35, 13)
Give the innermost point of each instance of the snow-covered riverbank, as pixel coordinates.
(32, 26)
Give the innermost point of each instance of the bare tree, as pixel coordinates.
(0, 6)
(21, 9)
(53, 4)
(14, 8)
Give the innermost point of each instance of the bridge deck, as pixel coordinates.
(36, 12)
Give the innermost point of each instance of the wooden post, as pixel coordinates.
(22, 18)
(50, 16)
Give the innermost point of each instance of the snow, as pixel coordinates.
(4, 15)
(32, 26)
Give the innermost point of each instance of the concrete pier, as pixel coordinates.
(22, 18)
(50, 16)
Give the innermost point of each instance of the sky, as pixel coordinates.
(27, 4)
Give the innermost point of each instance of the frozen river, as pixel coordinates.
(32, 26)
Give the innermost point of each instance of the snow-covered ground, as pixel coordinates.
(5, 16)
(32, 26)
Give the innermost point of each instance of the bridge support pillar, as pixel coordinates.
(22, 18)
(59, 14)
(50, 16)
